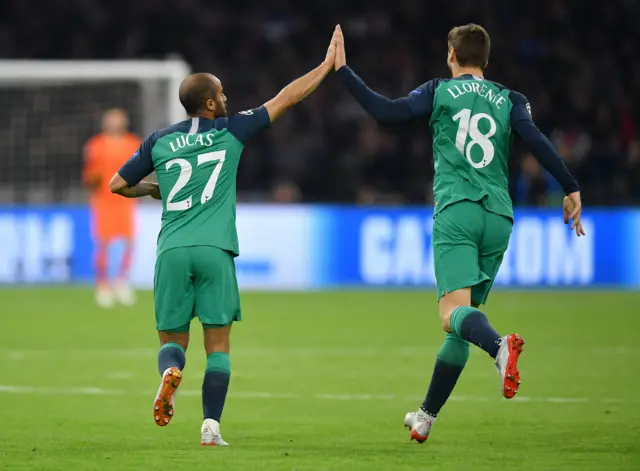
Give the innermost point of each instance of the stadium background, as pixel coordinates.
(339, 326)
(574, 60)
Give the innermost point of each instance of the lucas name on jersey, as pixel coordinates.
(190, 140)
(479, 88)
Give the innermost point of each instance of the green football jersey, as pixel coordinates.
(472, 121)
(472, 137)
(196, 162)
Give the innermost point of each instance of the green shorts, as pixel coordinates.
(193, 282)
(469, 243)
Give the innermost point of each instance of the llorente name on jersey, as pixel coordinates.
(189, 140)
(479, 88)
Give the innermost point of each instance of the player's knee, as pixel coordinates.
(216, 339)
(449, 302)
(445, 308)
(445, 318)
(180, 338)
(220, 346)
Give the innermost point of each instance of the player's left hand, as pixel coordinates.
(572, 208)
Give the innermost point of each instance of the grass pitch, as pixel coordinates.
(320, 382)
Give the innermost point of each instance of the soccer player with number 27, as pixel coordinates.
(196, 162)
(472, 121)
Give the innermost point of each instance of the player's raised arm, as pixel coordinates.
(542, 149)
(302, 87)
(128, 181)
(417, 103)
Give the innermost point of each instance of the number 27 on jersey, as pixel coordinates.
(186, 171)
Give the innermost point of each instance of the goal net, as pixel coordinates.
(49, 109)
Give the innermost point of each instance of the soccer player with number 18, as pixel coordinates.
(472, 121)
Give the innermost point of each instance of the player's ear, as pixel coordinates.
(451, 56)
(210, 105)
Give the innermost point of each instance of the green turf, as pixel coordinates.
(320, 382)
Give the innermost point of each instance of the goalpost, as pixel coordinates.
(48, 109)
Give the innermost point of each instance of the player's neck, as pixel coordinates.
(458, 71)
(202, 115)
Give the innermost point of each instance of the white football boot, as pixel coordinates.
(420, 424)
(124, 293)
(507, 364)
(165, 401)
(104, 297)
(210, 434)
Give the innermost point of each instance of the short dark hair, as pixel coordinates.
(472, 45)
(194, 92)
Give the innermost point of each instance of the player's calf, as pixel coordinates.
(472, 325)
(468, 322)
(123, 290)
(105, 297)
(450, 362)
(216, 383)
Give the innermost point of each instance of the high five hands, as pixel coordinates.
(336, 56)
(341, 56)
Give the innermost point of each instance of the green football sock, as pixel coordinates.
(171, 354)
(472, 325)
(215, 385)
(450, 362)
(454, 350)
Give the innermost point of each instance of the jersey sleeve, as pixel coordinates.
(538, 144)
(140, 164)
(418, 103)
(246, 124)
(421, 99)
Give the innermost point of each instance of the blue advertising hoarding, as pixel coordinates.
(45, 244)
(392, 247)
(318, 247)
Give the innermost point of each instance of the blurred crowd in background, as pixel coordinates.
(575, 60)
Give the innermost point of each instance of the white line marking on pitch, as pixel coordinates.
(251, 352)
(93, 391)
(83, 391)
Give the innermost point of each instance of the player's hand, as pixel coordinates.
(572, 208)
(330, 58)
(341, 55)
(154, 191)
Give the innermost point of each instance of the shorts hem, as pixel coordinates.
(441, 292)
(210, 325)
(217, 326)
(184, 328)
